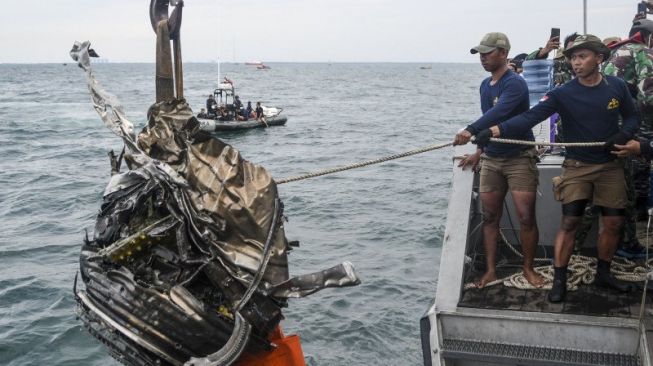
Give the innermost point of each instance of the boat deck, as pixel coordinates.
(500, 325)
(587, 300)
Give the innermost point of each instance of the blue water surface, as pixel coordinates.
(387, 219)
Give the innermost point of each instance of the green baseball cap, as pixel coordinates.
(492, 41)
(588, 42)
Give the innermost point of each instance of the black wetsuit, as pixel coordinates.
(211, 106)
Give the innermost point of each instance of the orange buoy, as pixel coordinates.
(287, 353)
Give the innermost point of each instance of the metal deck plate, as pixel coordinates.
(515, 354)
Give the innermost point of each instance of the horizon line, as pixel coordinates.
(243, 62)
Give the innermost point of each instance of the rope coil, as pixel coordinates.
(581, 270)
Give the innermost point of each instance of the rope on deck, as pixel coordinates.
(427, 149)
(581, 270)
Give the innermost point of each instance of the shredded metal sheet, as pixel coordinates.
(224, 201)
(188, 262)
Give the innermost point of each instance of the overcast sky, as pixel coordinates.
(300, 30)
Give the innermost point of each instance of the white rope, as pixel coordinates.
(542, 143)
(581, 270)
(363, 163)
(517, 252)
(426, 149)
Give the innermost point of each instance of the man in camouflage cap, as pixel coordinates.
(503, 167)
(633, 62)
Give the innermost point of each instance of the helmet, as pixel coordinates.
(645, 26)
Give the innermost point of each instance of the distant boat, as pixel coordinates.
(213, 125)
(228, 116)
(425, 67)
(259, 65)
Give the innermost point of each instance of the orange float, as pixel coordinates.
(287, 353)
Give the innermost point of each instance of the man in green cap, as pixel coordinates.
(590, 106)
(504, 167)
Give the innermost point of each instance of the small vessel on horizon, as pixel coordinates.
(259, 65)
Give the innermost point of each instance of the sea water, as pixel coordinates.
(387, 219)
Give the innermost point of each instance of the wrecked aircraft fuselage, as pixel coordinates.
(188, 261)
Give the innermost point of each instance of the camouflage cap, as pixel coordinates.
(492, 41)
(588, 42)
(611, 40)
(559, 53)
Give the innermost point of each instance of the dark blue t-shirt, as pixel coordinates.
(499, 102)
(588, 114)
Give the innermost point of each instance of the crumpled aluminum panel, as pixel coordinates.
(195, 222)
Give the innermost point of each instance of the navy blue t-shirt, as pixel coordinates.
(499, 102)
(588, 114)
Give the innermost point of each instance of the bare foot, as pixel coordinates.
(487, 278)
(533, 277)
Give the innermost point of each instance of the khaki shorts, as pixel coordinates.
(604, 183)
(515, 174)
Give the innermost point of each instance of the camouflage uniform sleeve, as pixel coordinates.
(561, 71)
(644, 79)
(632, 63)
(609, 68)
(620, 64)
(533, 55)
